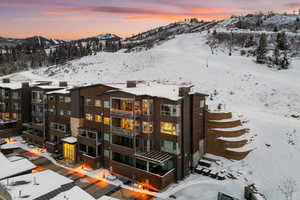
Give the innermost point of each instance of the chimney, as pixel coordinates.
(131, 84)
(63, 84)
(184, 91)
(25, 85)
(5, 80)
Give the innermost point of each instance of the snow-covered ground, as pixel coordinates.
(264, 97)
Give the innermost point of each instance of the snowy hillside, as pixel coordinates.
(263, 97)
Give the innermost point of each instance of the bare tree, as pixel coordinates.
(288, 188)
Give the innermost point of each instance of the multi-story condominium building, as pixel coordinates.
(14, 110)
(36, 131)
(148, 132)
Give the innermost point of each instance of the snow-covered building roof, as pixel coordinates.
(168, 91)
(107, 198)
(65, 90)
(38, 184)
(70, 140)
(73, 194)
(14, 167)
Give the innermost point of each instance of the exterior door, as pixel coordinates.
(69, 151)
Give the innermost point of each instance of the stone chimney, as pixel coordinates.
(5, 80)
(184, 91)
(63, 84)
(131, 84)
(25, 85)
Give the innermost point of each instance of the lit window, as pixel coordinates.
(87, 101)
(98, 103)
(202, 104)
(147, 127)
(106, 120)
(61, 99)
(14, 116)
(5, 116)
(147, 106)
(68, 113)
(106, 104)
(61, 112)
(107, 137)
(89, 116)
(168, 128)
(98, 118)
(67, 99)
(127, 124)
(170, 147)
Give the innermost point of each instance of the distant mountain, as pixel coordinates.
(35, 40)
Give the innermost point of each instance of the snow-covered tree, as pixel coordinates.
(261, 50)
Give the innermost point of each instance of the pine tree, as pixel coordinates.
(276, 55)
(261, 50)
(281, 41)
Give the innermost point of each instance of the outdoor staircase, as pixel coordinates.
(227, 137)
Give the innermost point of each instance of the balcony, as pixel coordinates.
(122, 132)
(90, 141)
(37, 114)
(38, 126)
(37, 100)
(121, 113)
(58, 133)
(157, 181)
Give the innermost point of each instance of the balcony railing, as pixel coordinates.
(37, 114)
(121, 131)
(121, 113)
(37, 100)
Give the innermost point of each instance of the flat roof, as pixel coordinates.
(38, 184)
(11, 168)
(155, 89)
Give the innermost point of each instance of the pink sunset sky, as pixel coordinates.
(72, 19)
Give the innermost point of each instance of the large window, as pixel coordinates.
(106, 104)
(147, 106)
(170, 110)
(16, 107)
(61, 99)
(16, 95)
(127, 124)
(58, 127)
(98, 118)
(87, 101)
(169, 128)
(170, 147)
(106, 121)
(67, 99)
(89, 116)
(98, 103)
(147, 127)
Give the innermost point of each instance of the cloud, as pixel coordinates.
(293, 5)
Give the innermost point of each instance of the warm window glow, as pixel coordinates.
(106, 120)
(147, 106)
(98, 118)
(147, 127)
(89, 116)
(168, 128)
(15, 116)
(127, 124)
(98, 103)
(69, 151)
(5, 116)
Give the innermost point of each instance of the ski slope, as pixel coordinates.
(264, 97)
